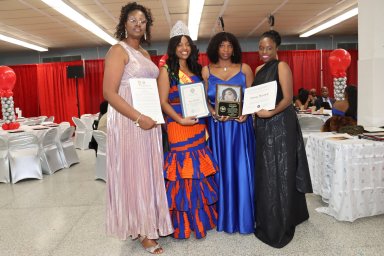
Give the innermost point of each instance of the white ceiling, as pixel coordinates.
(35, 22)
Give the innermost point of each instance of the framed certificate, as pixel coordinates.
(262, 96)
(145, 98)
(193, 100)
(228, 100)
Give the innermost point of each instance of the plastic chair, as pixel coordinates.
(83, 135)
(4, 161)
(310, 124)
(24, 157)
(67, 149)
(50, 119)
(101, 159)
(50, 157)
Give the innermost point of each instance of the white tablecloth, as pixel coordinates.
(347, 174)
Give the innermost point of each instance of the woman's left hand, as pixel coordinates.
(264, 113)
(242, 119)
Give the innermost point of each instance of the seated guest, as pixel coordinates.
(102, 124)
(324, 101)
(313, 92)
(348, 106)
(334, 123)
(304, 99)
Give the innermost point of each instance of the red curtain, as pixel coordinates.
(44, 89)
(57, 93)
(91, 94)
(25, 94)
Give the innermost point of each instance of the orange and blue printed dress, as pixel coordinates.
(189, 167)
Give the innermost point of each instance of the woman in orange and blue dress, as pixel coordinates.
(189, 166)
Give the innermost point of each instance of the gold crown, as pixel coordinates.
(179, 29)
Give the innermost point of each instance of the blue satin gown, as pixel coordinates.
(233, 146)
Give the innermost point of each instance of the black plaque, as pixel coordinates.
(228, 100)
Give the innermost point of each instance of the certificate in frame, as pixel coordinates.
(228, 100)
(145, 98)
(193, 100)
(262, 96)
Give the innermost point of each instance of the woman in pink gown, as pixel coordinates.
(136, 200)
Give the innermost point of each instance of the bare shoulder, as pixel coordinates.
(283, 65)
(117, 52)
(245, 67)
(205, 72)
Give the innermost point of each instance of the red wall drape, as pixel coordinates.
(44, 89)
(25, 94)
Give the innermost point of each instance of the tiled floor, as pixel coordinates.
(64, 213)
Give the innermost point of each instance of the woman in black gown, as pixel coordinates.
(282, 175)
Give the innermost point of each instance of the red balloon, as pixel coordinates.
(14, 125)
(5, 126)
(7, 78)
(339, 60)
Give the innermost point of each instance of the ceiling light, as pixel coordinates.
(70, 13)
(194, 16)
(22, 43)
(332, 22)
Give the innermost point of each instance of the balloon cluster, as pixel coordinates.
(7, 82)
(339, 85)
(339, 61)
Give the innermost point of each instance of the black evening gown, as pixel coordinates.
(282, 174)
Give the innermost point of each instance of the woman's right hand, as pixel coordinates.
(146, 123)
(189, 120)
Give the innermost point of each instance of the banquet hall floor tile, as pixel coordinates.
(64, 214)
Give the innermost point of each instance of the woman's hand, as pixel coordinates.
(189, 120)
(264, 113)
(146, 123)
(242, 119)
(219, 118)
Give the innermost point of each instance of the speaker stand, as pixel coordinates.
(77, 96)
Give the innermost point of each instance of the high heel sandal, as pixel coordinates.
(156, 249)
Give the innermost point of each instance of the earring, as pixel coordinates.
(145, 36)
(126, 33)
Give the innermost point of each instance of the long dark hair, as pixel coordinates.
(217, 40)
(303, 96)
(173, 60)
(351, 94)
(125, 10)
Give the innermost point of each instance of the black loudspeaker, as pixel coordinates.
(75, 72)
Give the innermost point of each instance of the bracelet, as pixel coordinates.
(137, 121)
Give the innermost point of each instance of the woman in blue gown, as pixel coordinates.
(232, 141)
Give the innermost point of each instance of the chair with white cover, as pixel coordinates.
(67, 149)
(4, 161)
(49, 119)
(50, 156)
(83, 134)
(24, 157)
(310, 124)
(101, 159)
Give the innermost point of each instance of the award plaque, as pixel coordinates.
(228, 100)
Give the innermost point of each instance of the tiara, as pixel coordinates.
(179, 29)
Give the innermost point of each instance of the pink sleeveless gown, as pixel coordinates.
(136, 198)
